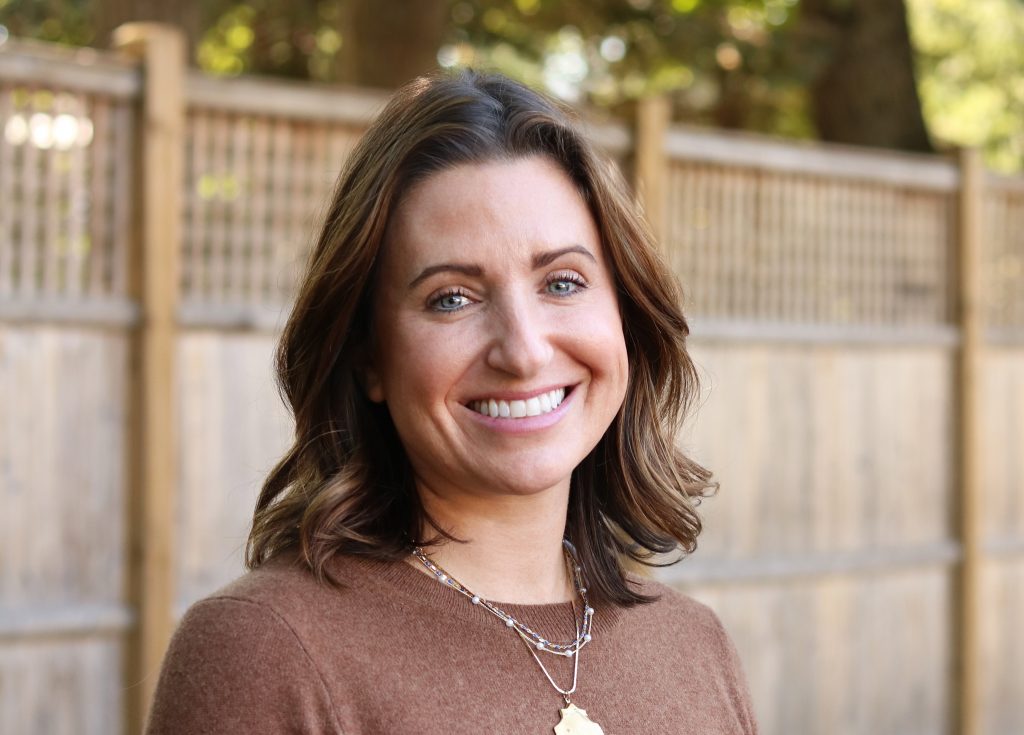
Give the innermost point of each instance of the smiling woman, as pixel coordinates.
(487, 367)
(523, 317)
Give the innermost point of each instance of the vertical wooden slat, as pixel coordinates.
(257, 227)
(78, 196)
(216, 225)
(970, 318)
(53, 197)
(1000, 254)
(100, 196)
(7, 176)
(729, 197)
(155, 282)
(123, 151)
(297, 187)
(652, 119)
(198, 280)
(674, 237)
(278, 193)
(240, 243)
(29, 245)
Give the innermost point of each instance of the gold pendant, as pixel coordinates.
(575, 722)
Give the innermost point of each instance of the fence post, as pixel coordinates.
(651, 168)
(154, 268)
(968, 423)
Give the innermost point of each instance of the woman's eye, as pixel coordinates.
(450, 302)
(565, 284)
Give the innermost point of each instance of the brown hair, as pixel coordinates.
(345, 485)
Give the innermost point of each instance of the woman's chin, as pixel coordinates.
(527, 480)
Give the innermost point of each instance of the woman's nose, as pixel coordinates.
(521, 344)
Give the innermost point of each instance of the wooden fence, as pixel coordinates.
(858, 317)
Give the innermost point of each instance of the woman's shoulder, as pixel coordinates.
(690, 624)
(689, 633)
(282, 592)
(239, 657)
(673, 605)
(277, 583)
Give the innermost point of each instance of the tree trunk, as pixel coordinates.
(865, 93)
(385, 43)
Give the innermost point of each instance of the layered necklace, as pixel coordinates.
(574, 720)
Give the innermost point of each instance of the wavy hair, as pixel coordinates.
(346, 485)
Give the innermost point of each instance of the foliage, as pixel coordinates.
(271, 37)
(58, 21)
(737, 63)
(705, 53)
(971, 74)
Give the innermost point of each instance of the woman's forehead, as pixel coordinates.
(497, 209)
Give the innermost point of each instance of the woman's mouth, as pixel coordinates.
(534, 406)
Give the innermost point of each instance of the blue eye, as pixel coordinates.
(451, 301)
(565, 284)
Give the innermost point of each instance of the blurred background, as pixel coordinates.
(837, 184)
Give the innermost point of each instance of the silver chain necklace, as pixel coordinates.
(583, 625)
(574, 719)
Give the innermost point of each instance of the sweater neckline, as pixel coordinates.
(400, 579)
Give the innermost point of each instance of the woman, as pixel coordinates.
(487, 367)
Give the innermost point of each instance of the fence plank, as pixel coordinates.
(834, 161)
(968, 443)
(653, 115)
(8, 152)
(156, 281)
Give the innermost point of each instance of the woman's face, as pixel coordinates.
(494, 299)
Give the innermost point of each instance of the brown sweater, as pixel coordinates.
(397, 653)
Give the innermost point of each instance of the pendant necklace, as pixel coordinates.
(574, 719)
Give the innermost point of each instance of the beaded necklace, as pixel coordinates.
(574, 720)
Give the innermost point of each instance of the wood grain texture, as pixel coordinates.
(1002, 454)
(1002, 646)
(1003, 222)
(861, 654)
(62, 550)
(153, 275)
(822, 448)
(62, 480)
(233, 428)
(62, 686)
(970, 437)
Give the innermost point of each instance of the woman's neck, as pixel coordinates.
(513, 551)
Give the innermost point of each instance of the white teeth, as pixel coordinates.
(544, 403)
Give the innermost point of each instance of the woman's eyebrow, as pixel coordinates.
(539, 260)
(464, 268)
(546, 258)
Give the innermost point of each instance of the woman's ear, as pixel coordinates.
(368, 377)
(373, 385)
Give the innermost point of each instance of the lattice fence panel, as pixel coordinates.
(255, 190)
(751, 243)
(1004, 273)
(65, 192)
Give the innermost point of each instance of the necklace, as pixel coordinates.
(574, 719)
(583, 625)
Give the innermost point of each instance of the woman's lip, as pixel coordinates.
(519, 395)
(526, 423)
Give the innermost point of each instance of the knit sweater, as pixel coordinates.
(397, 653)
